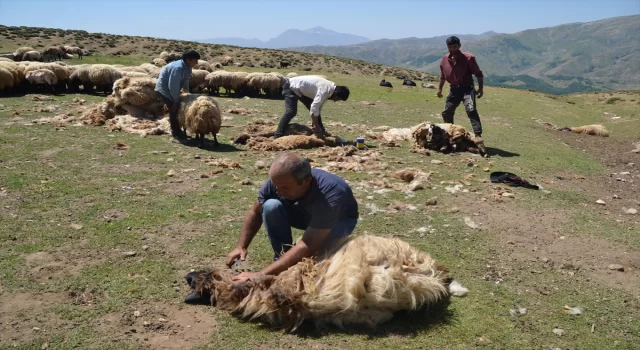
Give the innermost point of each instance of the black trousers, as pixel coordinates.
(291, 109)
(173, 115)
(467, 95)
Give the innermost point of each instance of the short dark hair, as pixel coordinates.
(453, 40)
(191, 55)
(342, 92)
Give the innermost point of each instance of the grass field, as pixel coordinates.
(73, 205)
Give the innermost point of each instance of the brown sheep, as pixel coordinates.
(362, 281)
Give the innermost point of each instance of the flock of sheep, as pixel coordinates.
(27, 75)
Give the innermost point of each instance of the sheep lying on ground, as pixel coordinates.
(41, 77)
(200, 115)
(289, 142)
(595, 129)
(362, 281)
(444, 138)
(268, 130)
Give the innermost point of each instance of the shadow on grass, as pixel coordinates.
(209, 145)
(502, 153)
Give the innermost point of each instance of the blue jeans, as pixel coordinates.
(278, 220)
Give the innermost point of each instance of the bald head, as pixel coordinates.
(292, 164)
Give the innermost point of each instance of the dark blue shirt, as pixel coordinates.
(328, 200)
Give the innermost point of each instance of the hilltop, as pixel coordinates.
(136, 48)
(576, 57)
(294, 37)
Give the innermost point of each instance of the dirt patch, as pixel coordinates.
(618, 186)
(62, 262)
(536, 241)
(161, 326)
(23, 318)
(113, 215)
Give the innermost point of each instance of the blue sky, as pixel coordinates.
(375, 19)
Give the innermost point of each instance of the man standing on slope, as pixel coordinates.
(313, 91)
(173, 77)
(456, 67)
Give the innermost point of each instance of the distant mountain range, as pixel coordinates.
(294, 37)
(568, 58)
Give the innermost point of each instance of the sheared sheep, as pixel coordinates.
(200, 115)
(41, 77)
(32, 56)
(362, 281)
(595, 129)
(61, 72)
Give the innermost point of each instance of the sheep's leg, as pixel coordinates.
(215, 140)
(201, 138)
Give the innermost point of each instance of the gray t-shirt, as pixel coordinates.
(328, 200)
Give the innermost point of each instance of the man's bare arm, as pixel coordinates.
(306, 247)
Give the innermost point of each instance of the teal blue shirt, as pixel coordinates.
(173, 77)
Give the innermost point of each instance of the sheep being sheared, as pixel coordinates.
(200, 115)
(445, 137)
(362, 281)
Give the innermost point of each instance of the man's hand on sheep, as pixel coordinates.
(245, 276)
(235, 254)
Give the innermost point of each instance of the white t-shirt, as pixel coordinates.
(315, 87)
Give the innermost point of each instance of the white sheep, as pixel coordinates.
(158, 62)
(6, 79)
(197, 81)
(41, 77)
(32, 56)
(200, 115)
(21, 51)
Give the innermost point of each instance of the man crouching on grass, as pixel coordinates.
(318, 202)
